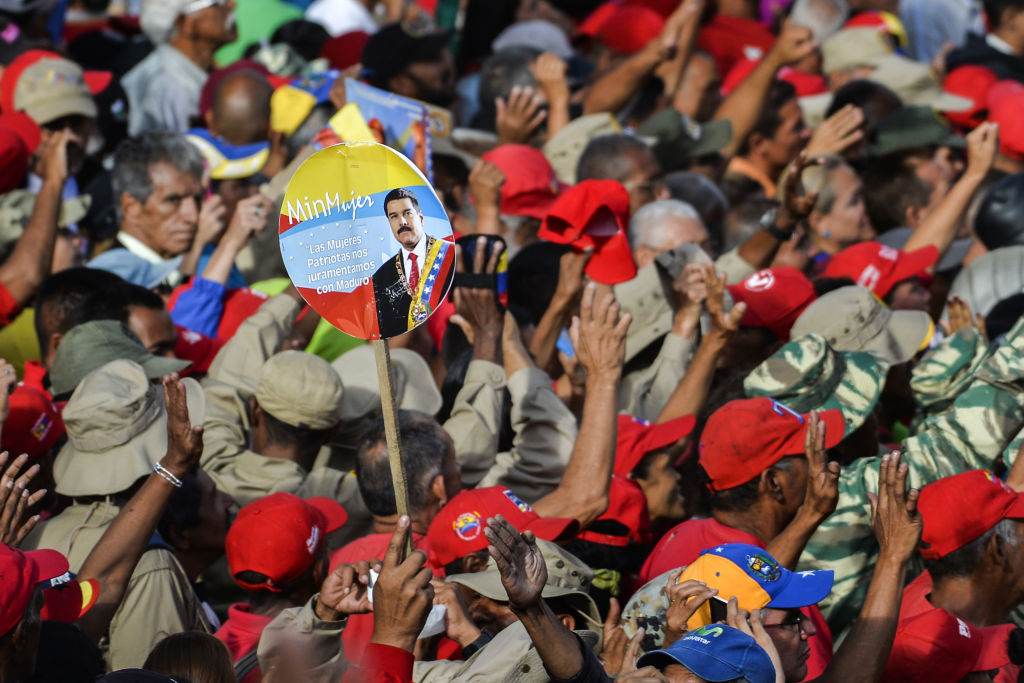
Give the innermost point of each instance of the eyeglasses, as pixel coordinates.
(793, 624)
(200, 5)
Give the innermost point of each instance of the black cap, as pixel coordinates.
(396, 46)
(1000, 221)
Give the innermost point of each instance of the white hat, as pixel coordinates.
(157, 17)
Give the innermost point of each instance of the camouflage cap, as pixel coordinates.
(567, 576)
(807, 374)
(854, 319)
(16, 208)
(301, 390)
(647, 610)
(94, 344)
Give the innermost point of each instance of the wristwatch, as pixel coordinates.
(768, 220)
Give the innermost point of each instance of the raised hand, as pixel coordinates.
(684, 599)
(723, 324)
(599, 335)
(485, 181)
(458, 624)
(250, 217)
(15, 499)
(982, 146)
(960, 318)
(894, 516)
(402, 595)
(837, 133)
(184, 440)
(750, 623)
(52, 156)
(822, 475)
(211, 220)
(797, 203)
(572, 266)
(345, 591)
(519, 560)
(549, 70)
(520, 116)
(615, 639)
(794, 43)
(476, 308)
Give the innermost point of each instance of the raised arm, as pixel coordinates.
(897, 524)
(745, 103)
(29, 263)
(113, 559)
(543, 344)
(939, 228)
(599, 337)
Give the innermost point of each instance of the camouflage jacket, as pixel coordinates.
(970, 434)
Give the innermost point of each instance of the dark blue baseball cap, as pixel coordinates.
(716, 653)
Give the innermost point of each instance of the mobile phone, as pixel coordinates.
(719, 609)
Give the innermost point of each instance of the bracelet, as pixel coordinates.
(778, 233)
(166, 474)
(477, 644)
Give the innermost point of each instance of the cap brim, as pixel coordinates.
(950, 102)
(332, 511)
(906, 333)
(97, 81)
(158, 366)
(994, 651)
(913, 263)
(69, 602)
(553, 529)
(835, 427)
(804, 589)
(487, 583)
(955, 255)
(49, 564)
(715, 135)
(664, 435)
(612, 263)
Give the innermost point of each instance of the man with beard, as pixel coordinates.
(413, 65)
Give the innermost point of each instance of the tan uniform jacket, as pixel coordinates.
(159, 600)
(545, 431)
(645, 392)
(227, 457)
(298, 635)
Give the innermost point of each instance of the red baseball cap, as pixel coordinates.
(973, 82)
(530, 186)
(197, 348)
(805, 84)
(1005, 100)
(627, 506)
(458, 528)
(67, 599)
(628, 28)
(636, 438)
(596, 20)
(938, 646)
(279, 536)
(744, 438)
(22, 125)
(20, 573)
(34, 424)
(594, 213)
(345, 50)
(982, 501)
(878, 267)
(775, 298)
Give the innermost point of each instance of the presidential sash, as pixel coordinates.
(419, 310)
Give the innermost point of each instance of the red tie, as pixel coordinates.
(414, 273)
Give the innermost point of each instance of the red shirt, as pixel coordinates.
(683, 545)
(731, 39)
(359, 630)
(241, 633)
(35, 376)
(9, 308)
(381, 664)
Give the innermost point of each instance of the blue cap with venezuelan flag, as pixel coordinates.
(755, 578)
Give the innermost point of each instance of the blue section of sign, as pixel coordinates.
(337, 246)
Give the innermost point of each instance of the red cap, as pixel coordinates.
(973, 82)
(1005, 100)
(345, 50)
(24, 127)
(592, 25)
(627, 505)
(982, 501)
(34, 424)
(197, 348)
(628, 28)
(637, 438)
(744, 438)
(880, 268)
(530, 186)
(279, 536)
(775, 298)
(805, 84)
(66, 599)
(458, 528)
(594, 213)
(20, 573)
(938, 646)
(14, 157)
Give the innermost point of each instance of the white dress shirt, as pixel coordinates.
(421, 254)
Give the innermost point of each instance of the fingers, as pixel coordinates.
(480, 253)
(812, 449)
(632, 652)
(614, 614)
(495, 257)
(396, 544)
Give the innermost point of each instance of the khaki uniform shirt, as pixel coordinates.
(227, 458)
(159, 600)
(545, 431)
(645, 392)
(297, 635)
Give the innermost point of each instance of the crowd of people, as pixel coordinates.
(729, 384)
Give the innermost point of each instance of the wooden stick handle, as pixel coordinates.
(382, 352)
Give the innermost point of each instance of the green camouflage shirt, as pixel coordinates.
(971, 434)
